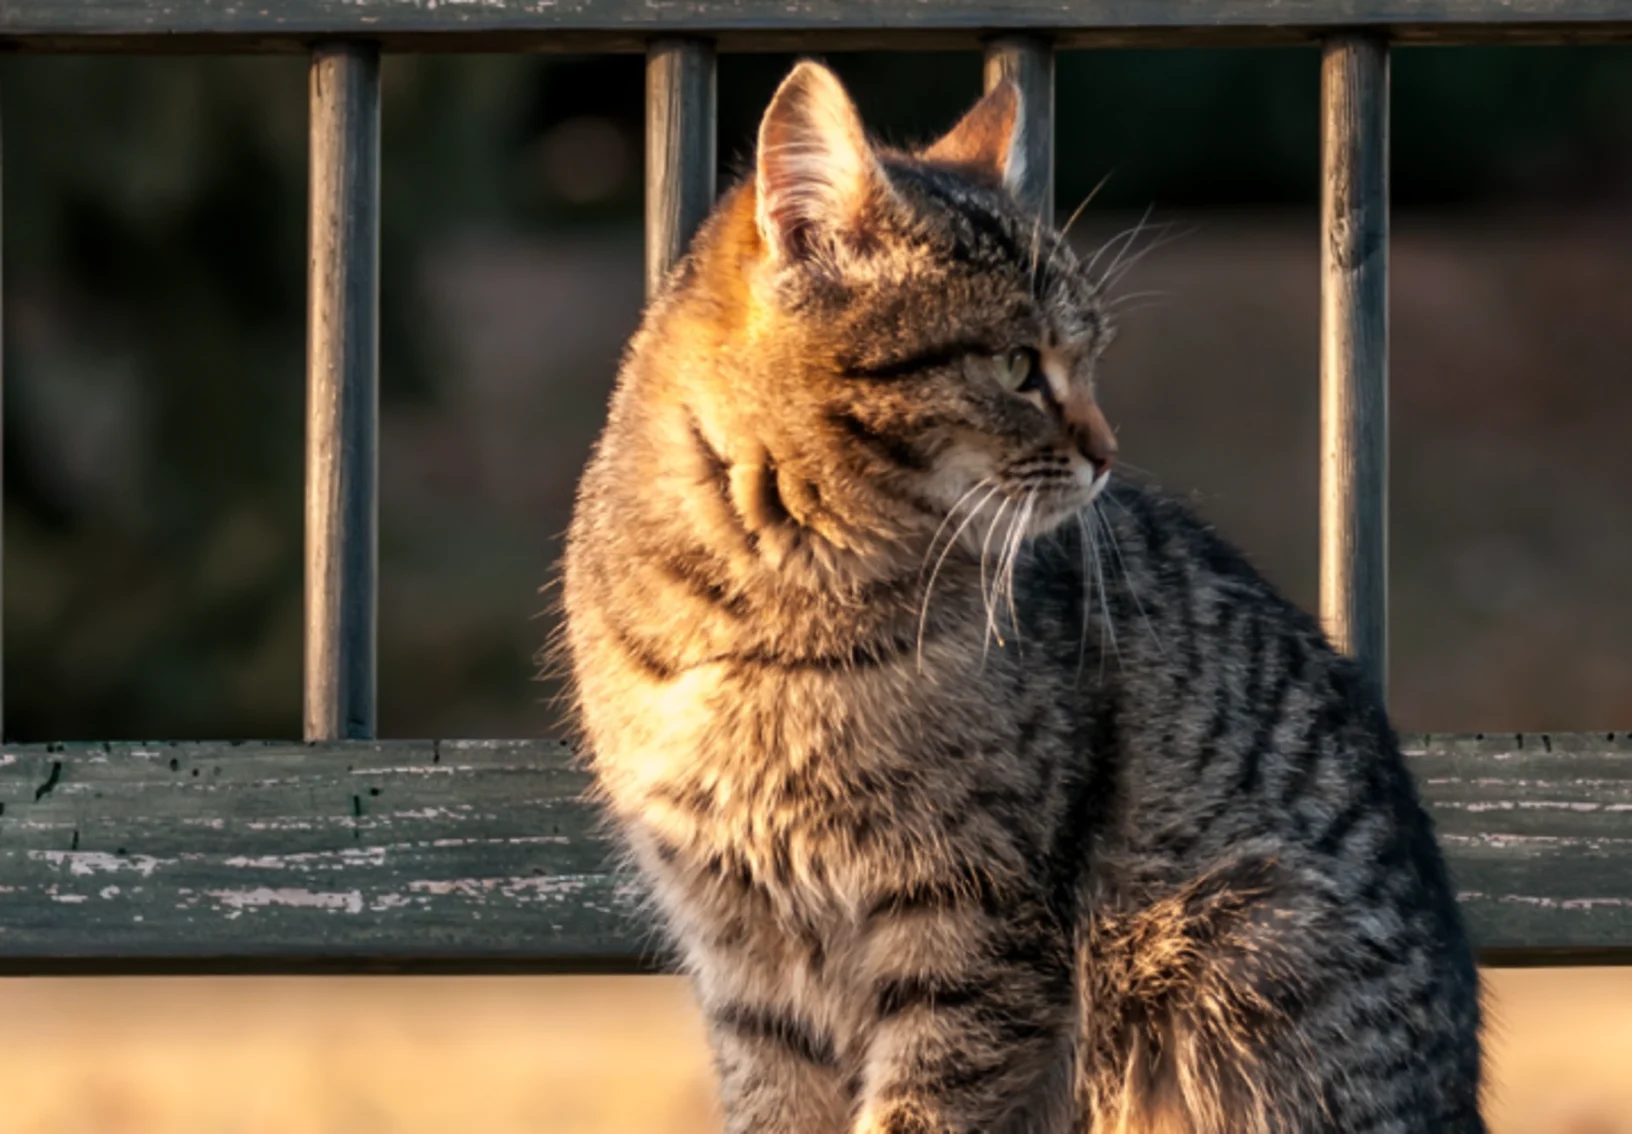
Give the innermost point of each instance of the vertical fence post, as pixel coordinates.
(2, 427)
(680, 149)
(1029, 61)
(342, 391)
(1354, 350)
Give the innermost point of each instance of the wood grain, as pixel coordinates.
(681, 124)
(482, 855)
(1354, 350)
(342, 392)
(784, 25)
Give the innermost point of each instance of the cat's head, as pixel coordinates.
(904, 327)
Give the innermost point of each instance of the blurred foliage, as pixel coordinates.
(154, 225)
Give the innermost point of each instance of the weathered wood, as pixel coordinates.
(279, 855)
(681, 124)
(1029, 61)
(1354, 350)
(782, 25)
(342, 392)
(481, 854)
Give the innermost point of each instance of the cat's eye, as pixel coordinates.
(1019, 369)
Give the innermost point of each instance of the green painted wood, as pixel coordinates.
(358, 855)
(799, 25)
(277, 855)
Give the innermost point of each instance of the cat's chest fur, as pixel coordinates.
(819, 790)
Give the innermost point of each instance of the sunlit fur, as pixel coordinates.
(975, 794)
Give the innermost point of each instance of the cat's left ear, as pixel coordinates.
(817, 173)
(989, 137)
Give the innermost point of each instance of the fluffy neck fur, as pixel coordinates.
(801, 511)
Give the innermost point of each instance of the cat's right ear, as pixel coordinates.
(816, 171)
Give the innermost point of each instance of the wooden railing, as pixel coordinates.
(351, 853)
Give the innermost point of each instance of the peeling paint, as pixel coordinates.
(321, 860)
(83, 863)
(348, 901)
(1581, 807)
(392, 902)
(545, 887)
(513, 840)
(461, 811)
(287, 824)
(272, 839)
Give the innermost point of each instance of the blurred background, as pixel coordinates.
(154, 221)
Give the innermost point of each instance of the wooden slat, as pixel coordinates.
(681, 123)
(810, 25)
(1029, 61)
(1354, 350)
(282, 855)
(342, 392)
(479, 854)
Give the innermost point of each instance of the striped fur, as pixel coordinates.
(979, 792)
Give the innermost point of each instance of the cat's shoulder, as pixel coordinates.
(1162, 524)
(1167, 528)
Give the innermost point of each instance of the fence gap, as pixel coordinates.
(342, 391)
(1029, 61)
(1354, 350)
(680, 148)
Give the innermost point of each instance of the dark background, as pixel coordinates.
(154, 341)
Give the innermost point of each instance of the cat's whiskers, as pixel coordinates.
(929, 588)
(1064, 232)
(1018, 527)
(1114, 274)
(988, 593)
(1124, 466)
(1126, 246)
(983, 482)
(1122, 241)
(1036, 250)
(1087, 590)
(1129, 297)
(1107, 629)
(1133, 591)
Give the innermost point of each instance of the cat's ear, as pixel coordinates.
(816, 170)
(989, 137)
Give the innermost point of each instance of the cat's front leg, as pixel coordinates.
(972, 1015)
(778, 1035)
(778, 1074)
(776, 1040)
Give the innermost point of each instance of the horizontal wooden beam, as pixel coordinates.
(481, 855)
(811, 25)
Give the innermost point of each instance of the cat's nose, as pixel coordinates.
(1090, 432)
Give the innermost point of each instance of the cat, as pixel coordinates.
(978, 791)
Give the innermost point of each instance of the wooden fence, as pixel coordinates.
(350, 853)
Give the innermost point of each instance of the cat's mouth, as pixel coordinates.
(1078, 495)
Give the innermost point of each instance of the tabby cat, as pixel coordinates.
(978, 791)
